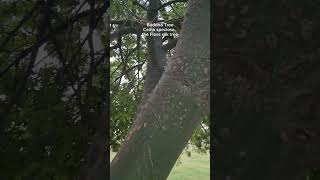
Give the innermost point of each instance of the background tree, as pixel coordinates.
(53, 88)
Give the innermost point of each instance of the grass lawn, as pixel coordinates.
(196, 167)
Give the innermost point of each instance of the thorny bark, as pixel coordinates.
(174, 110)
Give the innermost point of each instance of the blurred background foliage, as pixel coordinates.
(53, 86)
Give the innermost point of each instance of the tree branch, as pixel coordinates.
(45, 38)
(170, 3)
(140, 5)
(20, 24)
(171, 44)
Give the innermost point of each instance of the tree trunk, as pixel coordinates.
(156, 56)
(169, 117)
(96, 167)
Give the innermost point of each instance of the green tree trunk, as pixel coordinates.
(169, 117)
(156, 56)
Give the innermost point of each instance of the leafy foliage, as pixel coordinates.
(53, 93)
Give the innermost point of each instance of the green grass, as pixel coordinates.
(196, 167)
